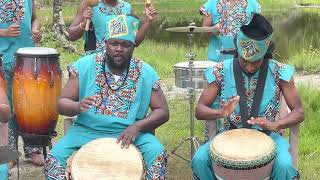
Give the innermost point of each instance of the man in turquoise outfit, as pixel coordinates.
(240, 81)
(226, 16)
(19, 28)
(98, 14)
(111, 92)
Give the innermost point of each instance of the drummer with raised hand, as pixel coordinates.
(250, 86)
(111, 92)
(19, 27)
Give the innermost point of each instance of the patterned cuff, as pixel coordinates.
(156, 85)
(203, 11)
(73, 72)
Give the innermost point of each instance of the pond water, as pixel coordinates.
(294, 29)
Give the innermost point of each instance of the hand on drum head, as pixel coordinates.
(128, 136)
(264, 123)
(230, 106)
(87, 103)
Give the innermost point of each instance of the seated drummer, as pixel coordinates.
(111, 93)
(253, 59)
(4, 118)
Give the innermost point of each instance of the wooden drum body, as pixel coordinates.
(242, 154)
(3, 84)
(103, 159)
(36, 85)
(182, 74)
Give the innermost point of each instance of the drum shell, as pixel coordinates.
(182, 74)
(3, 84)
(36, 85)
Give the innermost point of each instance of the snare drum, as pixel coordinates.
(243, 154)
(105, 159)
(182, 74)
(36, 85)
(3, 84)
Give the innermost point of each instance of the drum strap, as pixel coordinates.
(239, 79)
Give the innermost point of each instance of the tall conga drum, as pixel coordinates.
(36, 85)
(242, 154)
(3, 84)
(103, 159)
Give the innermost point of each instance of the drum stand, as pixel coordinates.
(191, 98)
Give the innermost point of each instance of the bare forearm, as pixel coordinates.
(142, 32)
(35, 24)
(4, 113)
(76, 32)
(3, 32)
(68, 107)
(155, 119)
(207, 113)
(295, 117)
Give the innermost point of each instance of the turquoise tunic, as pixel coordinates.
(3, 172)
(99, 19)
(231, 20)
(114, 110)
(222, 74)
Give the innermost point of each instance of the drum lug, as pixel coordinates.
(51, 78)
(34, 68)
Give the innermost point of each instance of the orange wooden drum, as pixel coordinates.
(36, 85)
(3, 83)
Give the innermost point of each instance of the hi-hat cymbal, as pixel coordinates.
(192, 29)
(7, 155)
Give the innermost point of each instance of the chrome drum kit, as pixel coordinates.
(190, 75)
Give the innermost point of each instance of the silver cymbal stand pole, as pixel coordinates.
(191, 97)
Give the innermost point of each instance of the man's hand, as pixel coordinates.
(128, 136)
(87, 13)
(150, 12)
(36, 35)
(230, 106)
(87, 103)
(264, 123)
(13, 30)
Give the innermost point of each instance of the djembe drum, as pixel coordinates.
(103, 159)
(3, 84)
(242, 154)
(36, 85)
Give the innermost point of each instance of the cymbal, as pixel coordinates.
(7, 155)
(192, 29)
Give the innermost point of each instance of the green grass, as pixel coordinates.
(307, 60)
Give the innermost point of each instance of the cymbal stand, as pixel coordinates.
(191, 98)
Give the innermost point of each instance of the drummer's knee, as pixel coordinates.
(53, 167)
(200, 157)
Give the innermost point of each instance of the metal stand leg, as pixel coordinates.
(191, 97)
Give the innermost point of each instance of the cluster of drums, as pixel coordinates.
(36, 85)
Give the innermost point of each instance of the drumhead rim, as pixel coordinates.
(37, 52)
(132, 146)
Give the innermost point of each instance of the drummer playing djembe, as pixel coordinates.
(241, 75)
(111, 93)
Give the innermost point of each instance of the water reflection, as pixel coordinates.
(295, 29)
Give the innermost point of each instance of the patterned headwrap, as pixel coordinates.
(123, 27)
(253, 40)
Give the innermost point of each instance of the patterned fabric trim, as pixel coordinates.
(158, 169)
(11, 11)
(231, 18)
(157, 85)
(53, 169)
(203, 11)
(195, 177)
(112, 10)
(73, 72)
(13, 144)
(296, 177)
(116, 102)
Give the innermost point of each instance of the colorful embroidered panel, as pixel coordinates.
(232, 17)
(11, 10)
(108, 10)
(116, 101)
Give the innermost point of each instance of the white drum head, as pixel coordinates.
(37, 51)
(103, 159)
